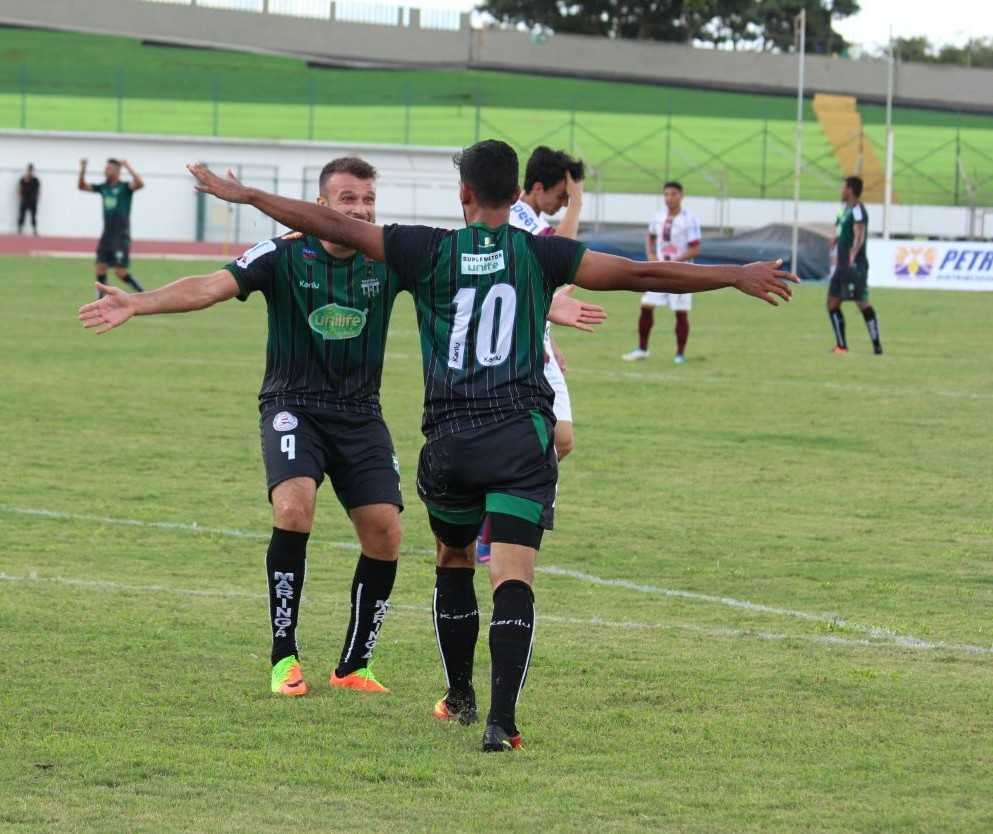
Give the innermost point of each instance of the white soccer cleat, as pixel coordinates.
(635, 355)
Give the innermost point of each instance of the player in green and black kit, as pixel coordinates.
(850, 279)
(329, 308)
(114, 248)
(482, 295)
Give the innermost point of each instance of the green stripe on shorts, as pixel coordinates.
(460, 517)
(498, 502)
(539, 426)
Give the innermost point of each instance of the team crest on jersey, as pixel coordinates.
(308, 254)
(284, 421)
(487, 242)
(482, 264)
(370, 283)
(336, 322)
(257, 251)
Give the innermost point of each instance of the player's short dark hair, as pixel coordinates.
(855, 184)
(490, 169)
(346, 165)
(550, 167)
(113, 161)
(673, 184)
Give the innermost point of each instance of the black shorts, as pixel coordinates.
(354, 450)
(114, 253)
(507, 467)
(849, 283)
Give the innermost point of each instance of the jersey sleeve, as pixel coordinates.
(559, 257)
(858, 213)
(408, 248)
(653, 226)
(255, 269)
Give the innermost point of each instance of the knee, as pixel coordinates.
(380, 537)
(455, 557)
(292, 515)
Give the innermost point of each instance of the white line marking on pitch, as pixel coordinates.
(835, 621)
(675, 376)
(595, 622)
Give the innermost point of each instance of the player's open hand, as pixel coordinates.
(765, 280)
(571, 312)
(229, 188)
(111, 310)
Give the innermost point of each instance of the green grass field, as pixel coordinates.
(765, 608)
(636, 136)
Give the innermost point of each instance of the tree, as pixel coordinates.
(775, 20)
(658, 20)
(765, 24)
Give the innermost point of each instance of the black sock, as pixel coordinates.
(129, 279)
(872, 323)
(456, 624)
(838, 325)
(285, 568)
(511, 639)
(371, 588)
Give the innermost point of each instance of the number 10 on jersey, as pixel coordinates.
(494, 329)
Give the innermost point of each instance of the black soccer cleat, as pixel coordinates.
(458, 706)
(496, 739)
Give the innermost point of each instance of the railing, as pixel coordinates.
(737, 155)
(378, 14)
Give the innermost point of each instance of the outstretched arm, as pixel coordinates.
(322, 222)
(599, 271)
(194, 292)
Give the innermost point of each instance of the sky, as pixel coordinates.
(947, 22)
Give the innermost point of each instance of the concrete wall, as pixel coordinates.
(361, 44)
(417, 185)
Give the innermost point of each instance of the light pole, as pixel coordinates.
(800, 35)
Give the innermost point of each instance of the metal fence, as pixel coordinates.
(746, 152)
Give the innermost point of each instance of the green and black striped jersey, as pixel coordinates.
(845, 233)
(116, 201)
(482, 296)
(327, 323)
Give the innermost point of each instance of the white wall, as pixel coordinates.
(417, 185)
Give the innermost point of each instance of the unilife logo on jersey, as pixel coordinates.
(482, 264)
(335, 322)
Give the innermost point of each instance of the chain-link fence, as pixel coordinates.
(634, 138)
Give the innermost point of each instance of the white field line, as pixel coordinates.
(879, 635)
(676, 376)
(594, 622)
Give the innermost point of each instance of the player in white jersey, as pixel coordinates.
(673, 235)
(552, 179)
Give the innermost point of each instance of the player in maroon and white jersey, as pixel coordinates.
(673, 235)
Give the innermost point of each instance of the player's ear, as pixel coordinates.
(517, 194)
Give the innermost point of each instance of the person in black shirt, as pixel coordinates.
(850, 279)
(328, 309)
(114, 247)
(482, 295)
(28, 193)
